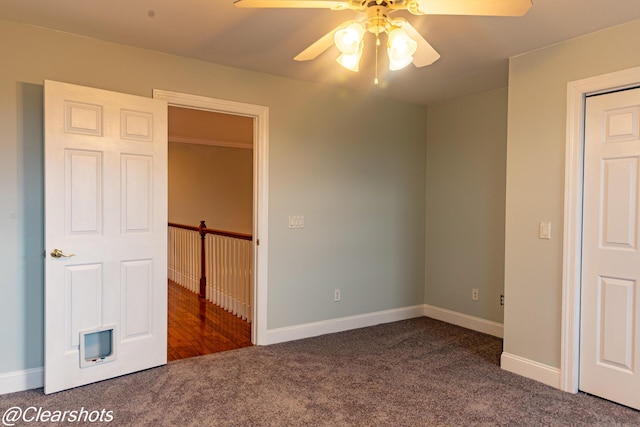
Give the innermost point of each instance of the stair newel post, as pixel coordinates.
(203, 273)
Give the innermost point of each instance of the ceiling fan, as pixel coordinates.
(404, 43)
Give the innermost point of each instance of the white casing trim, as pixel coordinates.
(260, 115)
(572, 227)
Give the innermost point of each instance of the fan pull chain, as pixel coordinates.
(375, 79)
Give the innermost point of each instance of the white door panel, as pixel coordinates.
(105, 204)
(610, 305)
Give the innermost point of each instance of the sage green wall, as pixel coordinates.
(466, 172)
(352, 164)
(355, 168)
(535, 180)
(211, 183)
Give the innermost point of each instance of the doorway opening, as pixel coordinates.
(210, 189)
(259, 248)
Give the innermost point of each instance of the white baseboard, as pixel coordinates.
(464, 320)
(530, 369)
(27, 379)
(34, 378)
(330, 326)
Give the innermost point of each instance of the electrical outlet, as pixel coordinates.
(296, 221)
(475, 294)
(336, 295)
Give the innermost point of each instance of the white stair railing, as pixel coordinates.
(183, 258)
(227, 266)
(229, 283)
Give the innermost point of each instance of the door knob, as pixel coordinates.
(57, 253)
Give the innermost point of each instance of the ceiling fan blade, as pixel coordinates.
(319, 46)
(298, 4)
(474, 7)
(425, 53)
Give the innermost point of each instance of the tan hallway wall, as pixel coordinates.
(211, 183)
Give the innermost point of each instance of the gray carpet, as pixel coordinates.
(418, 372)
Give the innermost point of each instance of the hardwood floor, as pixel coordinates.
(198, 327)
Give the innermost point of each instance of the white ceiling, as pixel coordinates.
(474, 50)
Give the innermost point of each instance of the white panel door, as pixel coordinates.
(610, 307)
(106, 211)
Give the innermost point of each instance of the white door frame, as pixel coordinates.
(260, 114)
(572, 249)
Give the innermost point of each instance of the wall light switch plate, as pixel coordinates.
(296, 221)
(545, 230)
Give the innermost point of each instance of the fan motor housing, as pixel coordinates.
(377, 19)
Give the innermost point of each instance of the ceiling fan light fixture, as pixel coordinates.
(350, 61)
(404, 43)
(349, 38)
(398, 64)
(400, 48)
